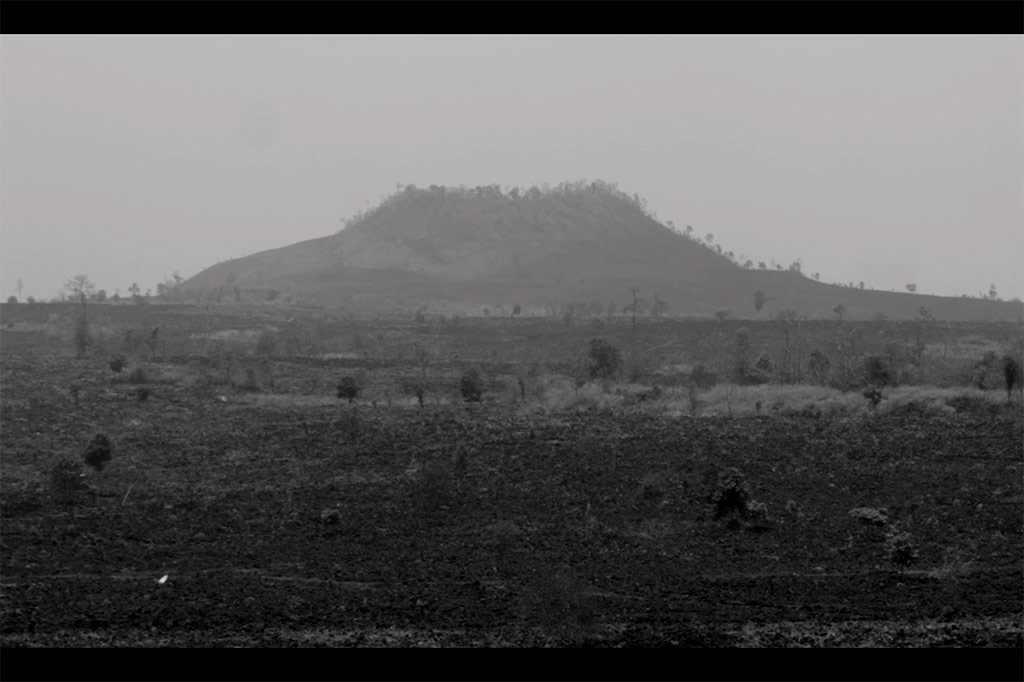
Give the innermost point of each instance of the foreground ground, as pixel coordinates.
(284, 520)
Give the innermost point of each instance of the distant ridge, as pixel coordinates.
(584, 243)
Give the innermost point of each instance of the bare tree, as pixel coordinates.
(659, 306)
(791, 350)
(636, 305)
(759, 300)
(80, 286)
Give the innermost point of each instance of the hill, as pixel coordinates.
(585, 245)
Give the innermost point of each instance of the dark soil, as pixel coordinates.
(612, 537)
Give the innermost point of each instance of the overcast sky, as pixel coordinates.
(888, 159)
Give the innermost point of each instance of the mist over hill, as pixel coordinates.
(582, 247)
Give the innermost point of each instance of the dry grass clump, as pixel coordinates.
(767, 399)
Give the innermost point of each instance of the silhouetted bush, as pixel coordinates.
(117, 362)
(471, 385)
(603, 359)
(878, 371)
(98, 452)
(873, 395)
(901, 549)
(348, 389)
(819, 366)
(731, 496)
(1011, 374)
(702, 376)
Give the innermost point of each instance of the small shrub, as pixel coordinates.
(901, 549)
(819, 366)
(873, 394)
(603, 359)
(878, 372)
(757, 516)
(762, 371)
(117, 363)
(870, 516)
(982, 370)
(702, 376)
(138, 376)
(98, 452)
(348, 389)
(330, 517)
(731, 496)
(734, 504)
(1011, 374)
(142, 393)
(471, 385)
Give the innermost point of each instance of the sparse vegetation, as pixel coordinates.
(461, 515)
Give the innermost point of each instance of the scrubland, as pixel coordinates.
(715, 487)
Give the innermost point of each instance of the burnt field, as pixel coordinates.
(256, 508)
(467, 525)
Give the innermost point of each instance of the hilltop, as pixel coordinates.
(581, 244)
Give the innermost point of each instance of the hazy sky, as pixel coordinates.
(888, 159)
